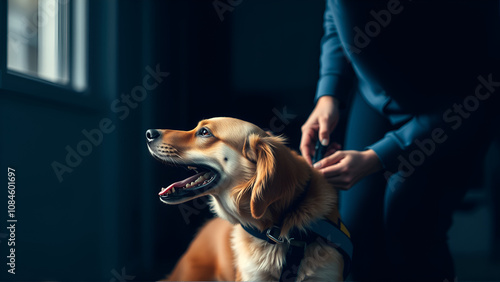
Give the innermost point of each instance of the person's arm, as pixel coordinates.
(425, 137)
(336, 74)
(428, 135)
(334, 85)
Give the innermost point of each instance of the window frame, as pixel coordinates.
(17, 83)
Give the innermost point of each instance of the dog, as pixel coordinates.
(255, 182)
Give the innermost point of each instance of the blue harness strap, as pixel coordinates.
(338, 236)
(335, 235)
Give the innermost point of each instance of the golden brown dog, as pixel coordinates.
(253, 180)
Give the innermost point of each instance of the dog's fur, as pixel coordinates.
(259, 179)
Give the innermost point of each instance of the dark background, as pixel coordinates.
(104, 220)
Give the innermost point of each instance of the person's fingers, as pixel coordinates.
(330, 160)
(306, 153)
(340, 182)
(307, 143)
(332, 148)
(324, 130)
(336, 170)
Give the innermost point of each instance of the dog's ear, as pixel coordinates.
(261, 151)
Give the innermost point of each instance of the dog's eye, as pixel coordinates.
(204, 132)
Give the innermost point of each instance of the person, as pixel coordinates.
(419, 78)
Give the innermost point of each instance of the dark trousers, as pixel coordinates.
(399, 225)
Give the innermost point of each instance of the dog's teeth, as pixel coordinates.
(173, 190)
(188, 185)
(206, 175)
(193, 168)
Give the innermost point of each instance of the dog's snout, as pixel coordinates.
(152, 134)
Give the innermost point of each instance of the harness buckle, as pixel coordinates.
(274, 236)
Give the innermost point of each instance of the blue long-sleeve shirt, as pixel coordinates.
(414, 62)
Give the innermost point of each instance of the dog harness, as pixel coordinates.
(335, 234)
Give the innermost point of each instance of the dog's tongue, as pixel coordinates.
(181, 184)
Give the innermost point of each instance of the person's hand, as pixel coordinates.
(344, 168)
(320, 124)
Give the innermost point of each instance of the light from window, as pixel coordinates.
(39, 40)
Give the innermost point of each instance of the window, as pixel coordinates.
(47, 41)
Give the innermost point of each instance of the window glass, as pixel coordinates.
(38, 40)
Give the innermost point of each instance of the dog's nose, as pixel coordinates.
(152, 134)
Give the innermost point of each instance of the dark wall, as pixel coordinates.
(242, 65)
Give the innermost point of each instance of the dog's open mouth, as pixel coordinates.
(204, 179)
